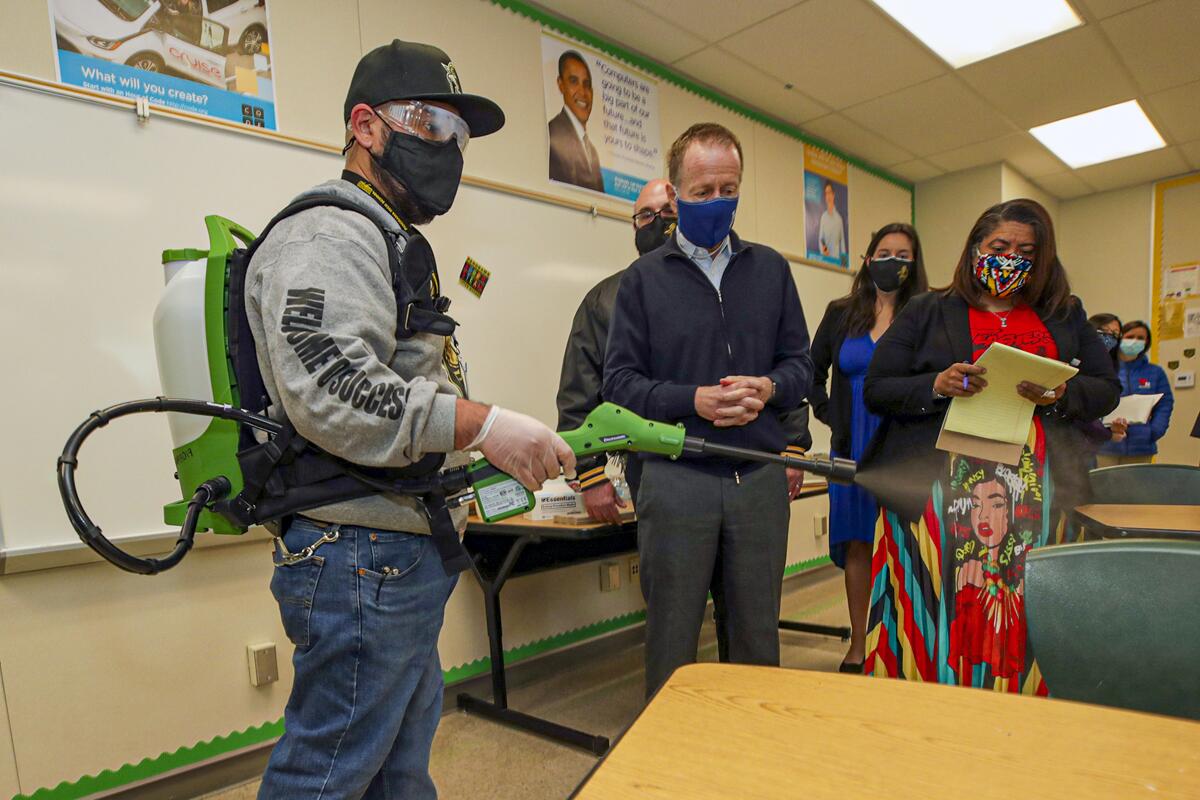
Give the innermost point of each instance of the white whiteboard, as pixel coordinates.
(90, 199)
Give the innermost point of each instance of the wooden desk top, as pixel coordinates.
(1133, 518)
(728, 731)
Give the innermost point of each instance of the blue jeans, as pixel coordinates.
(364, 613)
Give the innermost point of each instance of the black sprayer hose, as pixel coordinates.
(838, 470)
(208, 492)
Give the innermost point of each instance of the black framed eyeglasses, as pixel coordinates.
(644, 217)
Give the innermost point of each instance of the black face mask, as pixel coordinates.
(889, 273)
(653, 235)
(430, 172)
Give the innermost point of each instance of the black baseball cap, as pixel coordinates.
(414, 71)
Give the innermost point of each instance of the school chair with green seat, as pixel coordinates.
(1116, 623)
(1146, 484)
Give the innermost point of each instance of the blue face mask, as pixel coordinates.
(1109, 341)
(707, 223)
(1132, 347)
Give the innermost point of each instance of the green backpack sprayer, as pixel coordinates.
(238, 467)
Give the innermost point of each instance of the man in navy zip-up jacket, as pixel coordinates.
(708, 331)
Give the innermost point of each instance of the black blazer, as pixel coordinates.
(833, 407)
(933, 332)
(569, 162)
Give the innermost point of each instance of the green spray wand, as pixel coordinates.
(610, 428)
(498, 495)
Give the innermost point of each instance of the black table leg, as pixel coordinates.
(837, 631)
(498, 710)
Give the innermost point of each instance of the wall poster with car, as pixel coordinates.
(210, 57)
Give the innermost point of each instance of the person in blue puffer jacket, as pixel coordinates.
(1139, 376)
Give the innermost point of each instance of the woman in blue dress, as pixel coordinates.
(893, 272)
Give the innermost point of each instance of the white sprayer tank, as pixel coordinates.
(180, 342)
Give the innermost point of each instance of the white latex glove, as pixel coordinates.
(524, 448)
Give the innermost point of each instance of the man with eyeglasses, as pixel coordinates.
(583, 361)
(356, 350)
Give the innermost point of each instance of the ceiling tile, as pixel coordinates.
(1020, 150)
(840, 52)
(1191, 151)
(743, 82)
(846, 135)
(1107, 8)
(1064, 185)
(916, 170)
(632, 26)
(932, 117)
(1074, 72)
(1176, 112)
(1129, 171)
(712, 20)
(1158, 42)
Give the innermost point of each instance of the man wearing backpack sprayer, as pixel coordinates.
(373, 377)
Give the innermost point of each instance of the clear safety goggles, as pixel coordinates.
(426, 122)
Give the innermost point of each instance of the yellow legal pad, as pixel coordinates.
(998, 412)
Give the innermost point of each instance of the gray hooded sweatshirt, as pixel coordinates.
(322, 275)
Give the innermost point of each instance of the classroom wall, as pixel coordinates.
(946, 208)
(1104, 243)
(1013, 185)
(99, 668)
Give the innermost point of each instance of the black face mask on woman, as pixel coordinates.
(889, 273)
(431, 172)
(654, 235)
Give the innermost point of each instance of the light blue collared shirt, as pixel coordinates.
(713, 266)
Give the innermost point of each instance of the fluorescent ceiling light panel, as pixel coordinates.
(1100, 135)
(965, 31)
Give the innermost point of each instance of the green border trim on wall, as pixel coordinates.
(664, 72)
(804, 566)
(151, 767)
(222, 745)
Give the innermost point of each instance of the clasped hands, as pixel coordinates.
(965, 380)
(735, 401)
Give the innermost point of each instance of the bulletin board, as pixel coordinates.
(1176, 312)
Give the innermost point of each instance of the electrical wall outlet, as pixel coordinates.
(264, 666)
(635, 568)
(820, 525)
(610, 576)
(1185, 380)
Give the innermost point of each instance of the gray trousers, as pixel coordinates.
(691, 525)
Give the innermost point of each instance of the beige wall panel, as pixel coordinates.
(817, 288)
(1180, 214)
(1013, 185)
(9, 783)
(874, 203)
(779, 184)
(947, 207)
(1104, 243)
(103, 668)
(314, 47)
(26, 44)
(681, 109)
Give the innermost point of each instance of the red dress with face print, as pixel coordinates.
(947, 598)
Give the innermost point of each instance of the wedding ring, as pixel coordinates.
(1048, 393)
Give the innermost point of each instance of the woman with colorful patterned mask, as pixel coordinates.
(948, 565)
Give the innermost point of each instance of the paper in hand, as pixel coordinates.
(1134, 408)
(998, 412)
